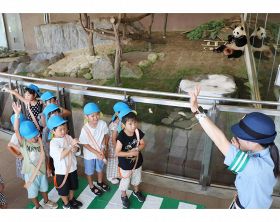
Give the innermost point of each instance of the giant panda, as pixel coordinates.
(258, 41)
(234, 47)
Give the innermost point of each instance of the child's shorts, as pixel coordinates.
(135, 178)
(40, 183)
(93, 165)
(70, 184)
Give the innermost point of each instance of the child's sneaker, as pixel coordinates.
(69, 206)
(75, 202)
(125, 202)
(140, 197)
(50, 205)
(104, 187)
(114, 180)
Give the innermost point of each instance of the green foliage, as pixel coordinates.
(273, 29)
(207, 30)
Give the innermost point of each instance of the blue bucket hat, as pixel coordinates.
(90, 108)
(117, 108)
(28, 130)
(55, 121)
(47, 96)
(34, 88)
(21, 118)
(50, 108)
(255, 127)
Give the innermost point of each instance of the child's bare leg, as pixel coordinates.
(3, 206)
(45, 196)
(136, 188)
(99, 177)
(71, 194)
(123, 193)
(36, 202)
(65, 199)
(90, 183)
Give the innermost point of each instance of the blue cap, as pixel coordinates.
(91, 108)
(124, 112)
(117, 108)
(50, 108)
(46, 96)
(55, 121)
(34, 88)
(28, 130)
(21, 118)
(255, 127)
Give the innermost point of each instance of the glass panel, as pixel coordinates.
(174, 142)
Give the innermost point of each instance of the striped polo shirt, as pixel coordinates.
(255, 178)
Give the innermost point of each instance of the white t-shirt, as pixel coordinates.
(56, 147)
(98, 133)
(14, 140)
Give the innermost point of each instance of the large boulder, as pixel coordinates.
(130, 71)
(12, 66)
(21, 68)
(52, 57)
(216, 85)
(4, 66)
(37, 66)
(102, 68)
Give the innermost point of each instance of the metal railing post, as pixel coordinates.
(205, 174)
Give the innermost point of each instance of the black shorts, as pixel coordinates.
(70, 184)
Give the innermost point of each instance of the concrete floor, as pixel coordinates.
(212, 198)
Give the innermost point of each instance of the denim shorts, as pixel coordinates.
(40, 183)
(93, 165)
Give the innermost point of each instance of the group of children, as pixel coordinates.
(43, 148)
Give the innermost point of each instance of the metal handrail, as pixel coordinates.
(149, 92)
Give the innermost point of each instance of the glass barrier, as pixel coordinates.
(263, 30)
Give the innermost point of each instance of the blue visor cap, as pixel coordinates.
(47, 96)
(55, 121)
(28, 130)
(21, 118)
(255, 127)
(118, 107)
(50, 108)
(34, 88)
(90, 108)
(124, 112)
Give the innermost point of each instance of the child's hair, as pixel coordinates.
(129, 116)
(274, 154)
(31, 91)
(54, 129)
(52, 112)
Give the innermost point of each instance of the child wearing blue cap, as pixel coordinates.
(33, 167)
(13, 147)
(50, 110)
(252, 155)
(62, 149)
(129, 145)
(49, 98)
(112, 165)
(34, 106)
(93, 139)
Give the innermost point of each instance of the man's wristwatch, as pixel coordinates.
(199, 110)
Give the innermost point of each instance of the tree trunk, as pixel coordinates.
(90, 44)
(118, 54)
(150, 26)
(165, 25)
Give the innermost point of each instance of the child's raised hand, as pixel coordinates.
(16, 107)
(193, 99)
